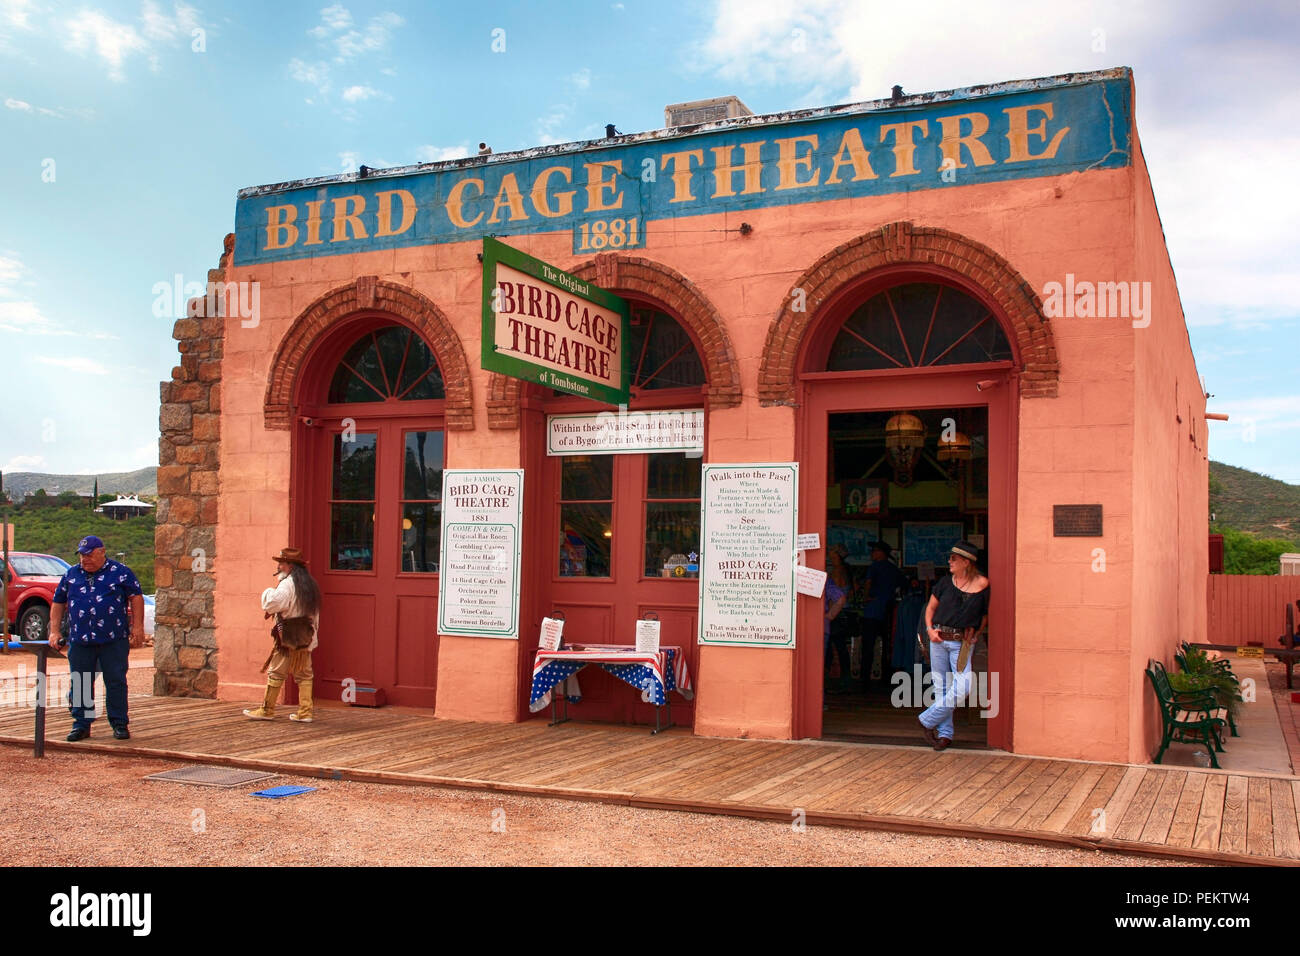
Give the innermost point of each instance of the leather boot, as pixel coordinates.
(304, 703)
(267, 710)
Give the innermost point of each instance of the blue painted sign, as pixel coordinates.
(612, 196)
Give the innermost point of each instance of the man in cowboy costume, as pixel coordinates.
(296, 598)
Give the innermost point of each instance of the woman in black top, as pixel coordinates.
(957, 614)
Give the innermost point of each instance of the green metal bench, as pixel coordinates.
(1187, 717)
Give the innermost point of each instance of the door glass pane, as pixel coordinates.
(352, 503)
(672, 516)
(586, 509)
(354, 468)
(421, 525)
(421, 501)
(587, 478)
(673, 476)
(352, 536)
(423, 467)
(586, 534)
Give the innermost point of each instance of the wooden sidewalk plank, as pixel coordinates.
(983, 792)
(1286, 835)
(861, 784)
(1209, 825)
(946, 777)
(1162, 811)
(815, 767)
(1232, 834)
(1259, 818)
(1139, 809)
(963, 791)
(1117, 806)
(1073, 799)
(1013, 811)
(1182, 829)
(1036, 816)
(1089, 818)
(1009, 790)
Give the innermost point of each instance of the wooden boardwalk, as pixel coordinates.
(1195, 814)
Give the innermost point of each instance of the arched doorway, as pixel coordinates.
(921, 348)
(368, 461)
(614, 522)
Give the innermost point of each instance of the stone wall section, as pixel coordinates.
(189, 456)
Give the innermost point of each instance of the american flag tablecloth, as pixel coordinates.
(652, 674)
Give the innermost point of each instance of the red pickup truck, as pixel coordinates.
(32, 579)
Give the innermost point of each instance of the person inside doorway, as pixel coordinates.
(883, 581)
(837, 627)
(958, 613)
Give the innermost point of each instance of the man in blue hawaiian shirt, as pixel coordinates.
(95, 596)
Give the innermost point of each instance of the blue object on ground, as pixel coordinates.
(285, 791)
(16, 645)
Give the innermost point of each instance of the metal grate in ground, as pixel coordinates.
(212, 776)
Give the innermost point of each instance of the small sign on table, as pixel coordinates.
(647, 637)
(552, 629)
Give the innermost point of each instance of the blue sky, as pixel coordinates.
(125, 135)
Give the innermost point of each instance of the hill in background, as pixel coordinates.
(1254, 503)
(141, 482)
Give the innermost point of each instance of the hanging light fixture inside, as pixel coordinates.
(954, 452)
(904, 439)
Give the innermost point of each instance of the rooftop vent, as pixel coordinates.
(705, 111)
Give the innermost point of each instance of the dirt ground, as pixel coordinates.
(99, 811)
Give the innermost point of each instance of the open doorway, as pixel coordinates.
(903, 486)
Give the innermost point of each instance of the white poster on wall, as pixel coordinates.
(748, 516)
(478, 591)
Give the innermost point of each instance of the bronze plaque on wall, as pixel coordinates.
(1076, 521)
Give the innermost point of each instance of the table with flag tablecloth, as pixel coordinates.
(652, 673)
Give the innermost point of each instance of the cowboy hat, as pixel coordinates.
(290, 556)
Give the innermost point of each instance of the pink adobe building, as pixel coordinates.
(988, 262)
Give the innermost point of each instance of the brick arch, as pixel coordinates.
(902, 243)
(619, 273)
(368, 294)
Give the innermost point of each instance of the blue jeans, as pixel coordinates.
(949, 686)
(85, 661)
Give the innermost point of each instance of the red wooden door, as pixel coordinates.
(373, 485)
(614, 522)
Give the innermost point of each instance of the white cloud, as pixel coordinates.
(355, 94)
(74, 363)
(14, 13)
(317, 74)
(349, 161)
(113, 41)
(11, 271)
(333, 18)
(581, 80)
(14, 104)
(23, 317)
(438, 154)
(337, 29)
(23, 463)
(158, 26)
